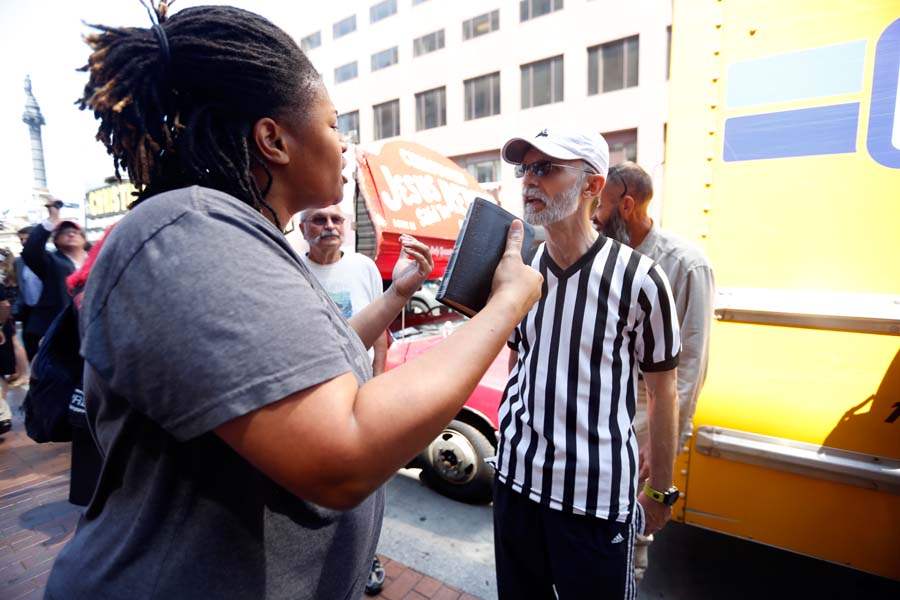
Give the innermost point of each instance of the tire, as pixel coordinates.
(417, 306)
(455, 467)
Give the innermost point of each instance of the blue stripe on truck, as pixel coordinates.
(804, 132)
(803, 75)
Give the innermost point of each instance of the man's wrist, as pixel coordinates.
(659, 485)
(667, 495)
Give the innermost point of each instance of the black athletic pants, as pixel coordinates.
(543, 553)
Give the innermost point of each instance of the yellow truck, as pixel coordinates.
(783, 164)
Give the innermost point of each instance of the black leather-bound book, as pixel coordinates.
(479, 247)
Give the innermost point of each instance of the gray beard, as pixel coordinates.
(616, 228)
(563, 205)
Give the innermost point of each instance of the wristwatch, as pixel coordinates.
(669, 497)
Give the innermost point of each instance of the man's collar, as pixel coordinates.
(315, 262)
(650, 240)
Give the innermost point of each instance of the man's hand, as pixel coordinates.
(53, 214)
(413, 267)
(655, 514)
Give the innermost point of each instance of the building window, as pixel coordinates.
(483, 166)
(348, 124)
(542, 82)
(668, 50)
(387, 119)
(428, 43)
(431, 109)
(345, 72)
(484, 170)
(529, 9)
(385, 58)
(382, 10)
(313, 40)
(622, 146)
(482, 96)
(343, 27)
(481, 25)
(613, 66)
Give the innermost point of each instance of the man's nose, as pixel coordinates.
(530, 179)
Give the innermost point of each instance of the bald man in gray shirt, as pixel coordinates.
(622, 214)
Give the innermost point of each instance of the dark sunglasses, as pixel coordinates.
(543, 168)
(322, 220)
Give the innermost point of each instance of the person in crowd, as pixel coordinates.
(86, 459)
(351, 279)
(622, 214)
(28, 292)
(30, 288)
(51, 268)
(8, 339)
(244, 439)
(567, 505)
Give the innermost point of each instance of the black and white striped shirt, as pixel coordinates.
(566, 436)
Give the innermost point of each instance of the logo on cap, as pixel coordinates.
(543, 133)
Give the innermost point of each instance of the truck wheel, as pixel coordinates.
(417, 306)
(455, 466)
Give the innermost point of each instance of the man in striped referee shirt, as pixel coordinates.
(566, 504)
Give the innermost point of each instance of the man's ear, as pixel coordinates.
(594, 185)
(626, 206)
(270, 141)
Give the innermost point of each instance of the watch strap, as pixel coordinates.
(653, 494)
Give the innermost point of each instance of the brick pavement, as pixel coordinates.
(36, 520)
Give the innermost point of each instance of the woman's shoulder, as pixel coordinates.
(173, 204)
(178, 228)
(194, 211)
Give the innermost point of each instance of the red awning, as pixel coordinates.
(408, 188)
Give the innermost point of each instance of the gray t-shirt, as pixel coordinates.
(198, 311)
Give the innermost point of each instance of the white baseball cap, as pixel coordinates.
(562, 145)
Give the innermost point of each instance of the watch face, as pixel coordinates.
(672, 496)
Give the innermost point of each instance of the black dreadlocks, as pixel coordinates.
(184, 117)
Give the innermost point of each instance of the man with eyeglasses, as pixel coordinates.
(353, 282)
(622, 215)
(567, 505)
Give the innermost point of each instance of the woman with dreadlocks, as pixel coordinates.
(216, 483)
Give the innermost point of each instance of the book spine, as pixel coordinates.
(442, 291)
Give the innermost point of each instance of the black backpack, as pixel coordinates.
(55, 401)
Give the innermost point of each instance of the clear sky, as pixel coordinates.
(43, 38)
